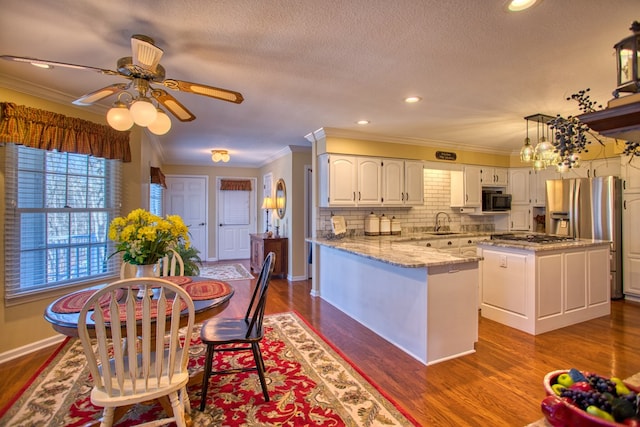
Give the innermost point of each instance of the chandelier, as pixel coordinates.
(220, 155)
(543, 154)
(139, 110)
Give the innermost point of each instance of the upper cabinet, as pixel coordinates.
(338, 177)
(402, 182)
(369, 182)
(519, 179)
(595, 168)
(466, 188)
(630, 174)
(351, 181)
(538, 185)
(494, 177)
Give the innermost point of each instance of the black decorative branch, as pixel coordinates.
(571, 136)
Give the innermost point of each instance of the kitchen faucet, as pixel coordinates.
(437, 224)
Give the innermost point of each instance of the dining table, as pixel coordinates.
(63, 315)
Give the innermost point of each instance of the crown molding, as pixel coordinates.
(328, 132)
(283, 152)
(32, 89)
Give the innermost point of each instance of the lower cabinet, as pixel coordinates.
(261, 245)
(520, 218)
(539, 291)
(631, 246)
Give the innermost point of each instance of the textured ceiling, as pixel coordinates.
(303, 64)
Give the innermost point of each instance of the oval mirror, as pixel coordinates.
(281, 198)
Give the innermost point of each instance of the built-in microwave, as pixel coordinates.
(493, 200)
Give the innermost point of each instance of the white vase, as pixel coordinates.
(145, 270)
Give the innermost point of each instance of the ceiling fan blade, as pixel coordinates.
(173, 105)
(97, 95)
(200, 89)
(43, 63)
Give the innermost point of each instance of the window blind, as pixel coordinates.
(58, 207)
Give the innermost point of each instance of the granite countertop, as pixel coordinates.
(398, 250)
(541, 247)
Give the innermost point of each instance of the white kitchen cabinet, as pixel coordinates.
(630, 174)
(349, 181)
(519, 186)
(494, 177)
(402, 182)
(595, 168)
(631, 245)
(538, 186)
(520, 218)
(369, 181)
(413, 183)
(466, 188)
(538, 291)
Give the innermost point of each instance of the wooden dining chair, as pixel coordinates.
(244, 333)
(153, 365)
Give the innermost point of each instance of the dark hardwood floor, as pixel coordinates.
(499, 385)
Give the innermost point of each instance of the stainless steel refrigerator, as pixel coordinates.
(589, 208)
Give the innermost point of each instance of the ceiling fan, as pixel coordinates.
(143, 69)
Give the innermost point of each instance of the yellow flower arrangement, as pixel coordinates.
(146, 238)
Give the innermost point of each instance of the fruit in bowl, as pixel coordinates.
(577, 398)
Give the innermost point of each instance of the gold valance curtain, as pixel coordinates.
(235, 184)
(46, 130)
(157, 177)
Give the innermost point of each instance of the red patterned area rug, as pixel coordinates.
(309, 383)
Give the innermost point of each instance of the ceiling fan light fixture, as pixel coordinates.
(143, 111)
(161, 124)
(119, 117)
(145, 53)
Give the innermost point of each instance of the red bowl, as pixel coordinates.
(560, 413)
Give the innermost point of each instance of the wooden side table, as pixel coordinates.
(261, 245)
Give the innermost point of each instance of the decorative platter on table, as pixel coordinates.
(561, 410)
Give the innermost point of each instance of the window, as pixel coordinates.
(58, 210)
(156, 194)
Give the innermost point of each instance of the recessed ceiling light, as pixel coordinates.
(363, 122)
(41, 65)
(519, 5)
(412, 99)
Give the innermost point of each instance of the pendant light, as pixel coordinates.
(544, 149)
(526, 152)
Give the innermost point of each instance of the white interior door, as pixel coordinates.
(236, 220)
(187, 197)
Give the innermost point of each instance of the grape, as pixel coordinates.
(603, 395)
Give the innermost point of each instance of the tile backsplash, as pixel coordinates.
(437, 198)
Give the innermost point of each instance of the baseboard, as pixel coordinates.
(29, 348)
(296, 278)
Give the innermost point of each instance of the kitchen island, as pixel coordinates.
(539, 287)
(422, 300)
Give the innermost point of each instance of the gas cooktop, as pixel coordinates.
(532, 238)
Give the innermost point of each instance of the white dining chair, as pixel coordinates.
(169, 265)
(153, 365)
